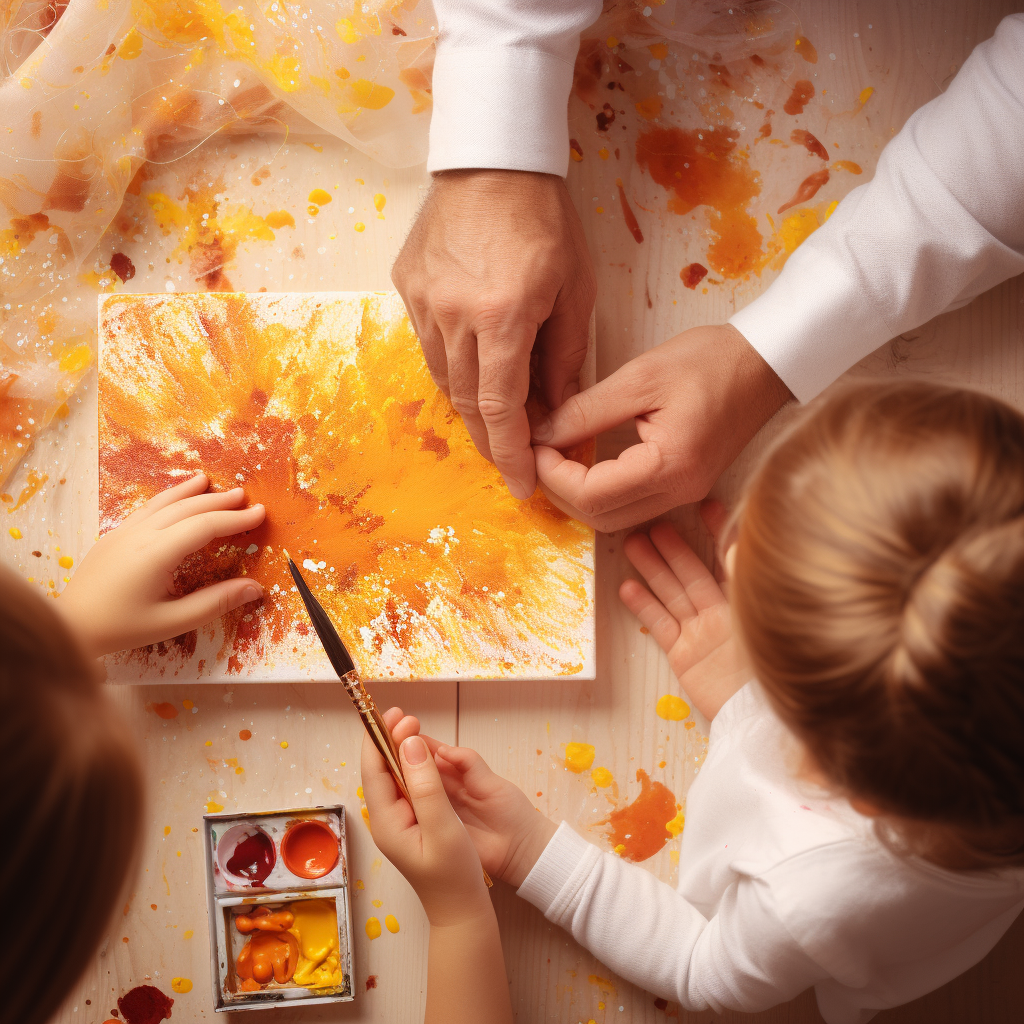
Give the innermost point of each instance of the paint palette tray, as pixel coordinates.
(279, 908)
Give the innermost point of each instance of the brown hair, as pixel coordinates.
(879, 585)
(70, 802)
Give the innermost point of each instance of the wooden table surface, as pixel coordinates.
(305, 740)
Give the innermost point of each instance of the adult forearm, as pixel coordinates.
(466, 981)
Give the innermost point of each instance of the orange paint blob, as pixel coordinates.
(309, 849)
(806, 49)
(33, 482)
(702, 167)
(804, 138)
(637, 831)
(848, 165)
(266, 956)
(164, 709)
(691, 275)
(802, 93)
(244, 734)
(808, 189)
(628, 215)
(265, 920)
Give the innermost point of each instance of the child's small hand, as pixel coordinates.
(122, 595)
(687, 613)
(426, 841)
(508, 832)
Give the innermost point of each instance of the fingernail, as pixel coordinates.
(251, 593)
(516, 489)
(414, 750)
(543, 431)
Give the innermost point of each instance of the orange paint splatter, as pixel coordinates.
(804, 138)
(691, 275)
(802, 93)
(575, 150)
(244, 734)
(33, 482)
(163, 709)
(371, 981)
(637, 831)
(806, 49)
(702, 167)
(808, 189)
(326, 409)
(627, 213)
(848, 165)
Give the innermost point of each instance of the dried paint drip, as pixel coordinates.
(323, 409)
(628, 215)
(638, 830)
(808, 189)
(145, 1004)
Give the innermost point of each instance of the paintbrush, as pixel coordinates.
(338, 654)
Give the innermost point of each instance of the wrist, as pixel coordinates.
(527, 851)
(456, 911)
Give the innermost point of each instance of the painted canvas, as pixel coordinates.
(322, 407)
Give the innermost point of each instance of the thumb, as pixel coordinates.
(426, 791)
(202, 606)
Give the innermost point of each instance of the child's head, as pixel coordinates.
(70, 803)
(879, 586)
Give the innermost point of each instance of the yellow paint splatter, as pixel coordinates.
(212, 807)
(602, 778)
(379, 201)
(33, 482)
(391, 923)
(359, 226)
(848, 165)
(865, 94)
(579, 757)
(359, 884)
(320, 196)
(359, 793)
(181, 985)
(378, 903)
(604, 984)
(831, 208)
(280, 219)
(167, 830)
(675, 826)
(603, 153)
(611, 42)
(15, 533)
(795, 230)
(131, 47)
(187, 934)
(372, 928)
(689, 725)
(366, 815)
(209, 743)
(672, 708)
(284, 744)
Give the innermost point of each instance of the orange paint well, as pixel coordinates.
(309, 849)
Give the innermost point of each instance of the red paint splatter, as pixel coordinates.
(808, 189)
(799, 97)
(638, 830)
(804, 138)
(371, 982)
(122, 265)
(164, 710)
(245, 734)
(145, 1004)
(692, 274)
(628, 215)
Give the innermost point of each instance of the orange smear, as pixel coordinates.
(33, 482)
(628, 215)
(266, 956)
(848, 165)
(691, 275)
(164, 710)
(804, 138)
(702, 167)
(806, 49)
(807, 190)
(637, 831)
(799, 97)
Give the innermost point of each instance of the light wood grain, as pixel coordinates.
(910, 53)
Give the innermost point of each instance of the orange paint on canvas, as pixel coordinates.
(637, 831)
(322, 408)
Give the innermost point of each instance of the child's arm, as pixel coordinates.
(466, 981)
(687, 613)
(122, 595)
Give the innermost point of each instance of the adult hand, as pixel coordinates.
(495, 264)
(123, 593)
(697, 400)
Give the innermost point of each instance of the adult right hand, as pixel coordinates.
(495, 263)
(697, 399)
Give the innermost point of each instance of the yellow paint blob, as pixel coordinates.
(391, 923)
(602, 778)
(865, 94)
(320, 196)
(359, 226)
(167, 830)
(75, 359)
(129, 49)
(209, 743)
(675, 826)
(316, 930)
(848, 165)
(579, 757)
(280, 219)
(366, 815)
(831, 208)
(181, 985)
(795, 230)
(672, 708)
(359, 793)
(188, 934)
(284, 744)
(212, 807)
(372, 928)
(603, 152)
(379, 200)
(15, 533)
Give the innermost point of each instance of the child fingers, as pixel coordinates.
(405, 727)
(667, 588)
(692, 574)
(202, 606)
(197, 531)
(211, 501)
(380, 790)
(652, 614)
(433, 809)
(194, 485)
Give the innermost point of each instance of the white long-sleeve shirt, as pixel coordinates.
(781, 887)
(941, 222)
(501, 83)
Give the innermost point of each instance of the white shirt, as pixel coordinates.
(780, 887)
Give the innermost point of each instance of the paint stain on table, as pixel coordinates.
(145, 1004)
(638, 830)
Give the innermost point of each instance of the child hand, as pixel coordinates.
(122, 595)
(687, 613)
(425, 841)
(508, 832)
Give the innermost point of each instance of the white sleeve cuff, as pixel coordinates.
(564, 854)
(500, 108)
